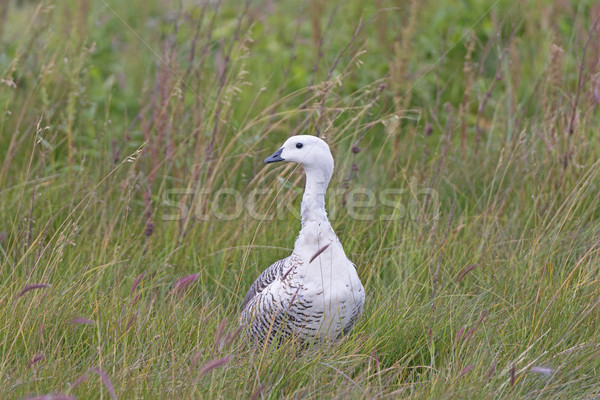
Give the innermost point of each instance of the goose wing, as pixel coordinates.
(264, 280)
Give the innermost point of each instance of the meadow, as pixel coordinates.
(135, 209)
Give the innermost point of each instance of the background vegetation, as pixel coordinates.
(116, 114)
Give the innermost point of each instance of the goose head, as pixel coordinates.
(310, 152)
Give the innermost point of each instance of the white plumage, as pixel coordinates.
(315, 293)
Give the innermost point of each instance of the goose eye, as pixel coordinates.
(299, 145)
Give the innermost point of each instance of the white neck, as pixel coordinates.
(313, 201)
(316, 232)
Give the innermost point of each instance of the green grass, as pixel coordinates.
(115, 115)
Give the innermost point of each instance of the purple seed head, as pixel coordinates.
(37, 358)
(82, 321)
(182, 284)
(33, 287)
(210, 365)
(106, 381)
(136, 283)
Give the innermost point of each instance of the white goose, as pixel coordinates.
(315, 293)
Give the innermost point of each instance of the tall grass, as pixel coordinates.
(466, 192)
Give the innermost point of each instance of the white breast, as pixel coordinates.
(318, 299)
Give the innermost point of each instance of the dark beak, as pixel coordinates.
(274, 157)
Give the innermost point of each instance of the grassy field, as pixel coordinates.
(135, 209)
